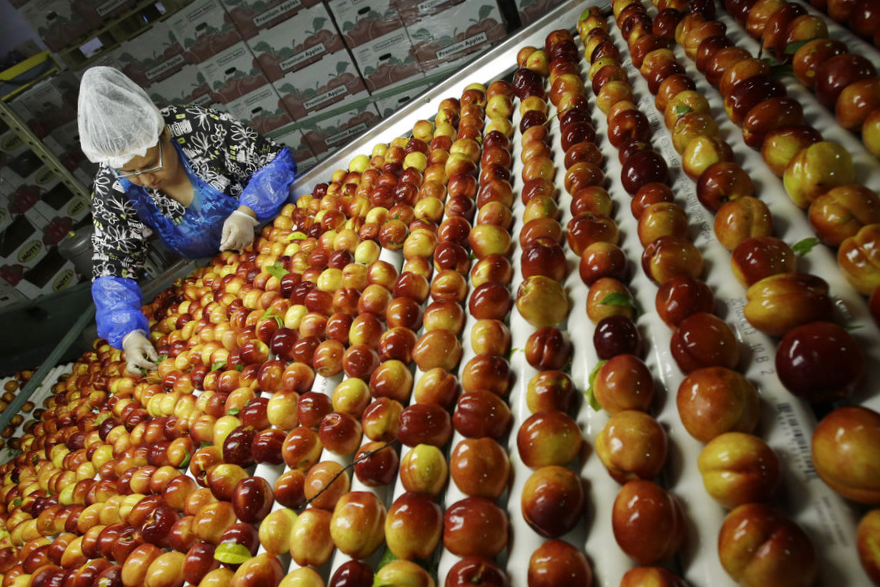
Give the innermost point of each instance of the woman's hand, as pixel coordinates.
(238, 229)
(139, 353)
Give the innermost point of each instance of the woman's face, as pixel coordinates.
(157, 166)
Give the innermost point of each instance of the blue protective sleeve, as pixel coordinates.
(118, 304)
(269, 187)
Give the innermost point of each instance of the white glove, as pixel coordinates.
(139, 352)
(238, 231)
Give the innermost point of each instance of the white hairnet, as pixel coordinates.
(117, 120)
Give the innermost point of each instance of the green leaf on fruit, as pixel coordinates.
(16, 502)
(205, 443)
(472, 256)
(386, 558)
(781, 70)
(232, 553)
(218, 365)
(297, 236)
(852, 327)
(804, 246)
(186, 458)
(793, 47)
(233, 412)
(271, 314)
(101, 418)
(619, 298)
(591, 395)
(682, 110)
(239, 367)
(161, 358)
(513, 352)
(276, 269)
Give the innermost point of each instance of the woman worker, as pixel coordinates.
(198, 178)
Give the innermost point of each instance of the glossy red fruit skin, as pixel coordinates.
(252, 499)
(864, 18)
(425, 424)
(352, 574)
(681, 296)
(804, 356)
(703, 340)
(616, 335)
(476, 571)
(836, 73)
(481, 414)
(749, 93)
(643, 511)
(643, 167)
(475, 526)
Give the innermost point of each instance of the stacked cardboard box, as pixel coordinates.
(454, 35)
(55, 21)
(252, 16)
(532, 10)
(281, 65)
(48, 108)
(151, 56)
(377, 37)
(302, 40)
(36, 212)
(203, 29)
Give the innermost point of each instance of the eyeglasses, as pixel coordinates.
(121, 175)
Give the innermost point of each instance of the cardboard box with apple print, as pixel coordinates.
(55, 21)
(151, 56)
(532, 10)
(64, 143)
(412, 12)
(361, 21)
(47, 202)
(187, 86)
(48, 103)
(333, 79)
(96, 12)
(60, 209)
(252, 16)
(53, 273)
(261, 109)
(387, 60)
(9, 295)
(203, 29)
(327, 135)
(457, 32)
(232, 73)
(388, 106)
(280, 52)
(302, 152)
(21, 247)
